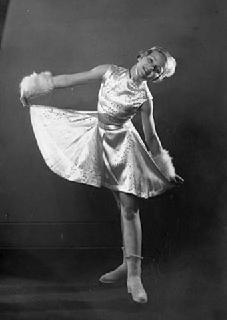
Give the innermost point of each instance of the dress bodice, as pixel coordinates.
(119, 96)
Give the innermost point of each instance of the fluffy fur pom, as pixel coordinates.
(36, 84)
(165, 164)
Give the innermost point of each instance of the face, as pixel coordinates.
(151, 66)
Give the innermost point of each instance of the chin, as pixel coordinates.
(157, 80)
(148, 78)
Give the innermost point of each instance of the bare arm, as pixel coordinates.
(68, 80)
(37, 84)
(161, 156)
(151, 137)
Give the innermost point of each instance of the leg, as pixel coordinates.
(131, 225)
(132, 238)
(120, 273)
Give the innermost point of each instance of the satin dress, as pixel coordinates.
(101, 148)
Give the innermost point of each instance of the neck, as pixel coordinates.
(134, 74)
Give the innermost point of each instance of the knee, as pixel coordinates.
(129, 212)
(129, 206)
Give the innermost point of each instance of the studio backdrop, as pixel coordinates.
(40, 209)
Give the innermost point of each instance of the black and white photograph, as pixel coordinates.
(113, 160)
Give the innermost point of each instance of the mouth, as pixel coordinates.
(146, 72)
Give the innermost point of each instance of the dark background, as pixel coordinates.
(41, 210)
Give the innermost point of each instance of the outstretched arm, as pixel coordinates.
(69, 80)
(42, 83)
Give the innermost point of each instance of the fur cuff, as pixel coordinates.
(165, 164)
(36, 84)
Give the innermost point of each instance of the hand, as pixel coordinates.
(35, 85)
(176, 181)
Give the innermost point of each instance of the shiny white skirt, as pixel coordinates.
(78, 147)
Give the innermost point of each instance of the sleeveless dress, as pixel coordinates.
(100, 148)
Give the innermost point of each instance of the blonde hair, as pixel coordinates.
(170, 62)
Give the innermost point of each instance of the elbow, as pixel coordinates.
(150, 136)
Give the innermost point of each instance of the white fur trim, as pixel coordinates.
(165, 164)
(36, 84)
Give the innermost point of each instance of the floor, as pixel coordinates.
(49, 284)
